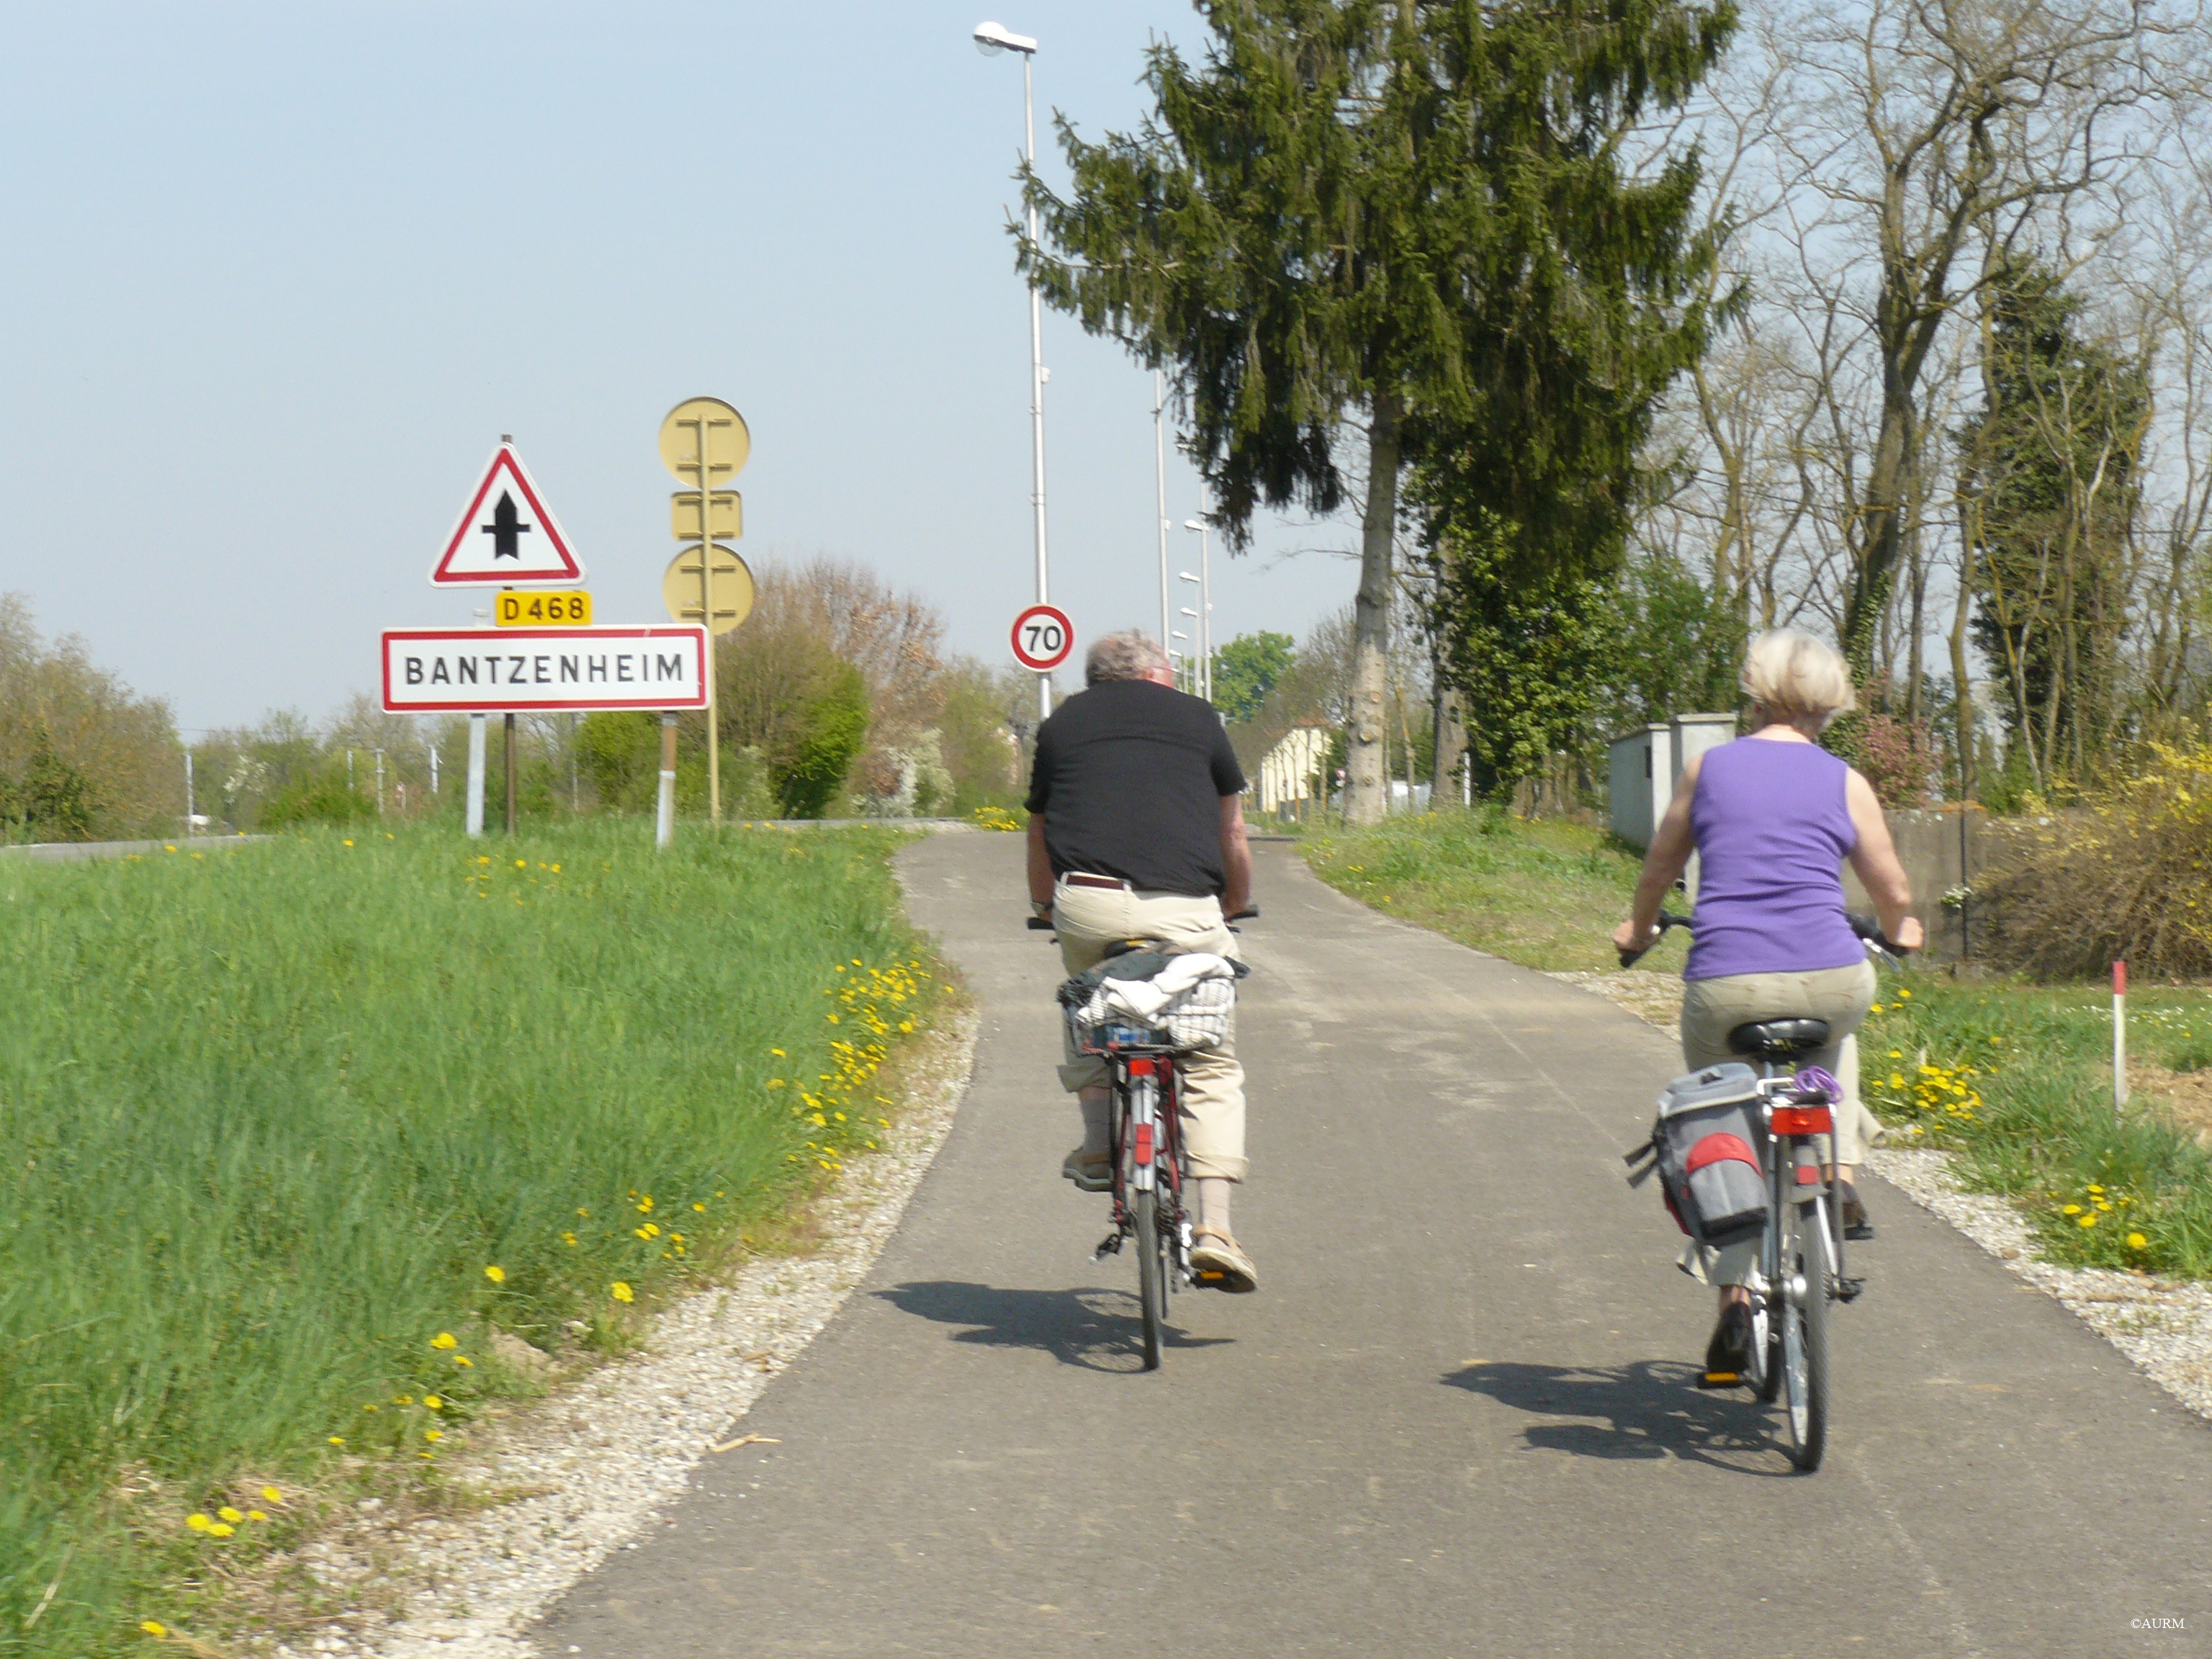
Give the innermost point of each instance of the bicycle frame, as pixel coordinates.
(1795, 1177)
(1146, 1142)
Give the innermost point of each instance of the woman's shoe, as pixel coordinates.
(1091, 1172)
(1856, 1224)
(1728, 1356)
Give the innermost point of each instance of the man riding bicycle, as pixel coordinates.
(1137, 832)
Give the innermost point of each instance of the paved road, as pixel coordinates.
(1456, 1420)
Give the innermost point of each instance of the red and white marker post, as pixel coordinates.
(2119, 1037)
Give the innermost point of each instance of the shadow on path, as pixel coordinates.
(1645, 1409)
(1098, 1329)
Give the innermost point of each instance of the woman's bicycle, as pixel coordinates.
(1801, 1268)
(1150, 1174)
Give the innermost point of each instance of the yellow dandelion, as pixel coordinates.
(271, 1495)
(2089, 1220)
(434, 1435)
(620, 1291)
(2071, 1209)
(497, 1275)
(153, 1627)
(1896, 1080)
(444, 1339)
(519, 863)
(2136, 1241)
(433, 1402)
(649, 1231)
(199, 1522)
(255, 1515)
(349, 842)
(230, 1514)
(568, 1238)
(337, 1440)
(1904, 995)
(465, 1362)
(701, 1208)
(221, 1530)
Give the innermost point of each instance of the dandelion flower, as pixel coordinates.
(2136, 1241)
(337, 1440)
(649, 1231)
(349, 842)
(620, 1291)
(2088, 1221)
(269, 1494)
(230, 1514)
(701, 1208)
(2071, 1209)
(568, 1238)
(444, 1339)
(433, 1402)
(434, 1435)
(221, 1530)
(465, 1362)
(153, 1627)
(199, 1522)
(1904, 995)
(497, 1275)
(255, 1515)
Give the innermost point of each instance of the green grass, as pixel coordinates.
(2018, 1080)
(1546, 893)
(269, 1114)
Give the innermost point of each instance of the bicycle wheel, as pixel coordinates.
(1152, 1274)
(1805, 1341)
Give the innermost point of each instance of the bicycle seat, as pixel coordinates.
(1780, 1039)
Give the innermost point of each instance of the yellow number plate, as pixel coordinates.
(569, 610)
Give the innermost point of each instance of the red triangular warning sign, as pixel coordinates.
(506, 534)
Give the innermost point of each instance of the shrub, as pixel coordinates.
(317, 798)
(2129, 878)
(810, 765)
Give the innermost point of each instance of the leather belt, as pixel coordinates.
(1075, 879)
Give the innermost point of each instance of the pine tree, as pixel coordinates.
(1409, 213)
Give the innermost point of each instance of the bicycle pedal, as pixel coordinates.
(1723, 1380)
(1847, 1290)
(1110, 1245)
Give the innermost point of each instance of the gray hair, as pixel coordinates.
(1129, 655)
(1794, 675)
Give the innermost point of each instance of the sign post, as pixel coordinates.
(704, 442)
(664, 826)
(476, 775)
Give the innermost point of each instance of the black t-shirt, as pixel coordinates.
(1129, 777)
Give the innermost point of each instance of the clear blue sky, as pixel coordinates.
(275, 279)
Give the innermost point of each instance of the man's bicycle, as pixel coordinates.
(1150, 1174)
(1801, 1269)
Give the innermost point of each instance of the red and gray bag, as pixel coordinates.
(1704, 1149)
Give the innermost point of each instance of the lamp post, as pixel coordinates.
(1204, 580)
(1160, 503)
(991, 40)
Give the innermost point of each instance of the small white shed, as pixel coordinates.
(1644, 765)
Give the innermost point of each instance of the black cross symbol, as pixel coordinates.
(506, 525)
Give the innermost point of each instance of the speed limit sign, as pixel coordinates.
(1043, 638)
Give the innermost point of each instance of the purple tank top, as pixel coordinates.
(1773, 830)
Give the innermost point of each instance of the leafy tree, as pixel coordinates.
(317, 797)
(1680, 648)
(1411, 213)
(1246, 669)
(809, 766)
(2050, 493)
(1531, 657)
(55, 801)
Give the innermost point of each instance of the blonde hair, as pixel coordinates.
(1792, 675)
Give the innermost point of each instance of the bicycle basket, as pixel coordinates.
(1194, 1018)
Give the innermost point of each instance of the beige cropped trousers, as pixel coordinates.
(1711, 1008)
(1089, 919)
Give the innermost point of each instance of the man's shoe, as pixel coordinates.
(1218, 1263)
(1728, 1356)
(1091, 1172)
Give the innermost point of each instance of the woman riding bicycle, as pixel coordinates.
(1772, 817)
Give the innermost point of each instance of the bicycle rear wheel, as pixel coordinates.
(1152, 1273)
(1805, 1338)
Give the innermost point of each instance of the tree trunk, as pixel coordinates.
(1962, 707)
(1366, 794)
(1451, 747)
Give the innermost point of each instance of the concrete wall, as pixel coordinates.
(1928, 845)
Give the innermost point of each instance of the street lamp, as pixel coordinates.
(1205, 603)
(991, 40)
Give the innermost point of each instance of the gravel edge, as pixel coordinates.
(596, 1460)
(2164, 1327)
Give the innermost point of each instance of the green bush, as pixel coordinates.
(809, 766)
(319, 798)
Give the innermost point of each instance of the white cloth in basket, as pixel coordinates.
(1190, 998)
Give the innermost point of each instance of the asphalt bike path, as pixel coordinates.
(1457, 1417)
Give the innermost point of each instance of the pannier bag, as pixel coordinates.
(1180, 1000)
(1704, 1148)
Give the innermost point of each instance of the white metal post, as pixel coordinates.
(434, 769)
(379, 783)
(664, 822)
(476, 774)
(188, 792)
(2119, 1036)
(1160, 502)
(1036, 378)
(1206, 610)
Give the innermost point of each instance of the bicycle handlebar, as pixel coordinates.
(1866, 927)
(1667, 918)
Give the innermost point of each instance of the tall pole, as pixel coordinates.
(188, 792)
(1160, 502)
(476, 785)
(1036, 376)
(507, 743)
(1204, 613)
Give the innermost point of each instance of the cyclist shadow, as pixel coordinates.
(1098, 1330)
(1646, 1409)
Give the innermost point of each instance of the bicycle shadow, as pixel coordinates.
(1097, 1329)
(1645, 1410)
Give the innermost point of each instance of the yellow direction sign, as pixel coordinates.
(570, 609)
(728, 583)
(726, 513)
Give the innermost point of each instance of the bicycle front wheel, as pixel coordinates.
(1805, 1338)
(1152, 1273)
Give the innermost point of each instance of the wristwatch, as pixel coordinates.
(1043, 907)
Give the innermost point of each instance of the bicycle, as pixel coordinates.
(1150, 1170)
(1800, 1259)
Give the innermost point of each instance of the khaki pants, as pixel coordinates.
(1091, 919)
(1711, 1008)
